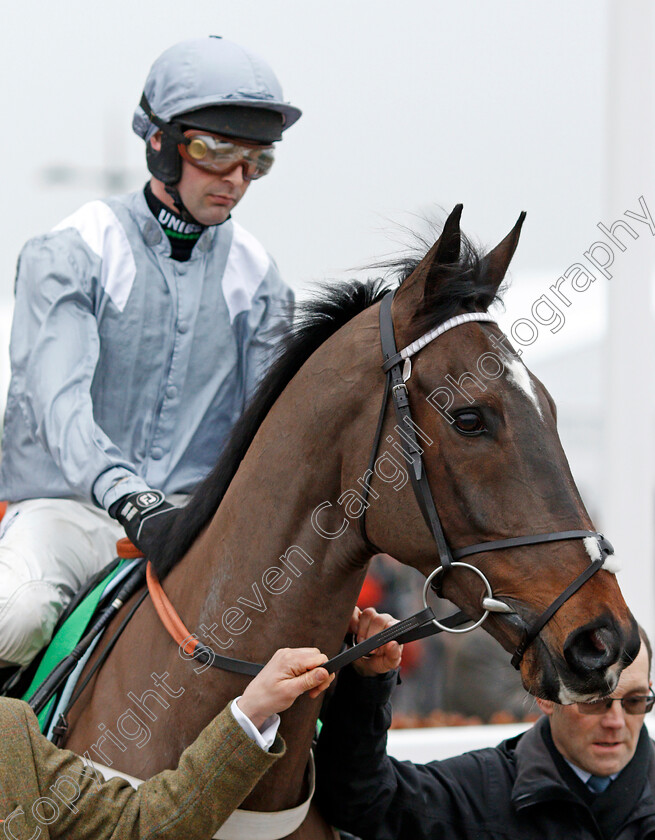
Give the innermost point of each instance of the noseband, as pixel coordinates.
(397, 367)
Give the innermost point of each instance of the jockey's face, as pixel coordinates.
(601, 744)
(208, 196)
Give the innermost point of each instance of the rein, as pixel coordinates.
(417, 626)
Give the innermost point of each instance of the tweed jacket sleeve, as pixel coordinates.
(50, 793)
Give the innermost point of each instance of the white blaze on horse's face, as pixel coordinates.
(519, 376)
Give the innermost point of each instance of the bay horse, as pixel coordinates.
(268, 552)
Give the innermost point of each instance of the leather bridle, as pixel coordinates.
(397, 366)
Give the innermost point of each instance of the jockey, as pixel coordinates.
(142, 325)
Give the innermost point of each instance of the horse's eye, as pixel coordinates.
(469, 423)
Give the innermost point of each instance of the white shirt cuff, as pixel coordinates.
(263, 737)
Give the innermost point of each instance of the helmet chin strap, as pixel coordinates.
(174, 193)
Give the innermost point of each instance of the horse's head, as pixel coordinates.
(497, 470)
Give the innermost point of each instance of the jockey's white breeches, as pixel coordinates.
(48, 549)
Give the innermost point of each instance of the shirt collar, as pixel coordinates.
(585, 775)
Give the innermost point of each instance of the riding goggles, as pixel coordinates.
(221, 155)
(634, 705)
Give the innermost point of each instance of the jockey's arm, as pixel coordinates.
(55, 348)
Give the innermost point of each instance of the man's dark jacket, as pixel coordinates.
(521, 789)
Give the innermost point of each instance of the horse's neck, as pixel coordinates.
(261, 554)
(262, 571)
(263, 586)
(261, 577)
(256, 604)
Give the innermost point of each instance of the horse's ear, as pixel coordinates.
(496, 262)
(445, 250)
(426, 278)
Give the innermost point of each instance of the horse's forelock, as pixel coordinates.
(460, 287)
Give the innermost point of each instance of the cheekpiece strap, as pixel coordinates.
(412, 448)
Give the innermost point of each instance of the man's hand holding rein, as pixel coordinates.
(363, 625)
(288, 674)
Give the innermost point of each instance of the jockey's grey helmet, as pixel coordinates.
(214, 85)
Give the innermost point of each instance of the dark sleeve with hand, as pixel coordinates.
(362, 790)
(144, 515)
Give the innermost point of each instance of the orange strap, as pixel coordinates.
(413, 628)
(126, 549)
(166, 612)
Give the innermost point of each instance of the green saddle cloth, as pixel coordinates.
(66, 638)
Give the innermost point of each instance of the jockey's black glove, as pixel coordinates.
(144, 515)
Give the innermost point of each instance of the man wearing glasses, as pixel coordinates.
(582, 771)
(142, 325)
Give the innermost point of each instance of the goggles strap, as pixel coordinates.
(172, 130)
(175, 133)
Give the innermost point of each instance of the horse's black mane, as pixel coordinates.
(462, 288)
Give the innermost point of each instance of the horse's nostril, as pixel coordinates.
(597, 641)
(590, 649)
